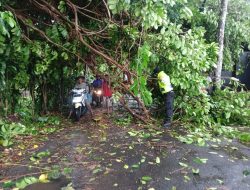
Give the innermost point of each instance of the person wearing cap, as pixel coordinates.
(167, 90)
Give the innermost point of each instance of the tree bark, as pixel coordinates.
(222, 22)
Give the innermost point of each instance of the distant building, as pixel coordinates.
(245, 76)
(243, 67)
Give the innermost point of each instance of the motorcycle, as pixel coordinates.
(97, 96)
(78, 102)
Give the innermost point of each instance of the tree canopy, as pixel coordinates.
(45, 44)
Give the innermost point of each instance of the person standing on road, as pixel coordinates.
(107, 92)
(167, 90)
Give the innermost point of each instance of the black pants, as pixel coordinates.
(169, 106)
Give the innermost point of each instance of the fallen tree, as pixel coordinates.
(42, 14)
(54, 41)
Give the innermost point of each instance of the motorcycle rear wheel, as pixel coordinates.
(77, 113)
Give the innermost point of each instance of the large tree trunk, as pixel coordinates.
(222, 22)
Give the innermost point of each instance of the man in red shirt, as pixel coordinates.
(107, 93)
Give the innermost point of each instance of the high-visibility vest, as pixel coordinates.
(164, 82)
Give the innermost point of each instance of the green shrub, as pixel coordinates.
(230, 106)
(244, 137)
(8, 131)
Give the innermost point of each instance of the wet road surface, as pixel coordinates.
(104, 158)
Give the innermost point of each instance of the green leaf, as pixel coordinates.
(146, 135)
(8, 184)
(167, 179)
(186, 178)
(135, 166)
(200, 160)
(228, 114)
(21, 184)
(62, 6)
(68, 187)
(67, 171)
(201, 142)
(55, 173)
(143, 182)
(143, 159)
(33, 159)
(132, 133)
(196, 171)
(97, 170)
(246, 172)
(173, 188)
(126, 166)
(146, 178)
(220, 181)
(65, 56)
(11, 22)
(183, 164)
(43, 154)
(158, 160)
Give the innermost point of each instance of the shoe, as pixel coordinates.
(167, 125)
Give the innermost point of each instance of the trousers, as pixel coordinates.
(169, 102)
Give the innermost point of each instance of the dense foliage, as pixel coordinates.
(183, 43)
(44, 47)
